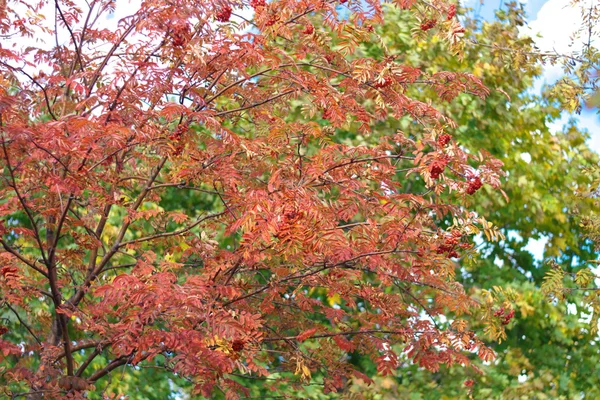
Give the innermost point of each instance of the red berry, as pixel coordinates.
(308, 30)
(451, 11)
(458, 30)
(428, 24)
(508, 317)
(178, 41)
(180, 35)
(258, 3)
(474, 185)
(224, 14)
(237, 345)
(272, 20)
(448, 248)
(505, 318)
(3, 329)
(444, 139)
(469, 383)
(436, 168)
(387, 81)
(178, 134)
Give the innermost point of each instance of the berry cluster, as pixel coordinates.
(474, 185)
(446, 249)
(309, 29)
(436, 168)
(180, 35)
(428, 24)
(237, 345)
(224, 14)
(505, 317)
(387, 81)
(3, 329)
(257, 3)
(450, 244)
(272, 20)
(20, 24)
(291, 215)
(451, 11)
(178, 40)
(444, 139)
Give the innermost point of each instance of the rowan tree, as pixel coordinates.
(164, 208)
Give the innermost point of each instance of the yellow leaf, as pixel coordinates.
(305, 373)
(335, 299)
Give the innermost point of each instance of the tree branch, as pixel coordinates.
(88, 361)
(174, 233)
(84, 344)
(253, 105)
(93, 272)
(23, 204)
(22, 258)
(77, 49)
(114, 364)
(23, 323)
(328, 335)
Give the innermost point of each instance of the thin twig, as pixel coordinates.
(23, 323)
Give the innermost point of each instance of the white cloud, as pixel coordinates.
(553, 30)
(591, 122)
(536, 247)
(122, 9)
(556, 21)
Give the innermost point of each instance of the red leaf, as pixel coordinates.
(306, 334)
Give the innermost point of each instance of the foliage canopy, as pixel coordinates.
(204, 199)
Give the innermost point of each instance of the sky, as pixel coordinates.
(550, 23)
(554, 21)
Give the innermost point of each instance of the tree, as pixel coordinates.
(578, 287)
(554, 351)
(165, 209)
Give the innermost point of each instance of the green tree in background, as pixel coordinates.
(547, 352)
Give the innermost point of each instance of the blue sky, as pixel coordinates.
(554, 20)
(487, 9)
